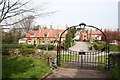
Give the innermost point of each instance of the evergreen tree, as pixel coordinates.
(68, 39)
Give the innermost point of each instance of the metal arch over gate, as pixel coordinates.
(83, 59)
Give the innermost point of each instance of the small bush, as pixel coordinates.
(30, 46)
(11, 51)
(41, 47)
(6, 46)
(23, 46)
(98, 46)
(27, 51)
(5, 52)
(50, 47)
(114, 48)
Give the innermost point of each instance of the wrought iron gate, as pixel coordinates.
(83, 59)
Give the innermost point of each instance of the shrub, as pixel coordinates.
(98, 46)
(23, 46)
(51, 47)
(5, 52)
(11, 51)
(30, 46)
(27, 52)
(114, 48)
(6, 46)
(41, 46)
(45, 54)
(115, 66)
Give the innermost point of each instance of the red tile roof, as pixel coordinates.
(51, 33)
(95, 33)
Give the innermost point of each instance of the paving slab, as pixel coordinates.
(75, 73)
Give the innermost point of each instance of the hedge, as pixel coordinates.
(27, 52)
(23, 46)
(4, 46)
(36, 53)
(98, 46)
(115, 66)
(11, 51)
(51, 47)
(43, 47)
(30, 46)
(114, 48)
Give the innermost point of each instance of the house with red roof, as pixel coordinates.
(44, 36)
(94, 35)
(87, 35)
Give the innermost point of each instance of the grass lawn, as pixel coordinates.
(102, 60)
(66, 58)
(114, 48)
(24, 67)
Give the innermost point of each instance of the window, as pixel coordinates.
(29, 42)
(43, 42)
(32, 35)
(51, 41)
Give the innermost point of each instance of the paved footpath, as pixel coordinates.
(80, 46)
(75, 73)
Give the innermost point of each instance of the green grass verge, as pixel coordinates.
(66, 58)
(24, 67)
(102, 62)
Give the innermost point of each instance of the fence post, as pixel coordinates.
(108, 59)
(58, 55)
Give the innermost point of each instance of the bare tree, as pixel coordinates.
(11, 10)
(26, 24)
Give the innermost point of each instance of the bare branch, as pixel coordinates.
(1, 2)
(14, 9)
(21, 5)
(7, 11)
(15, 22)
(3, 8)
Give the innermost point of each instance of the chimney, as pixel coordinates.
(51, 26)
(66, 26)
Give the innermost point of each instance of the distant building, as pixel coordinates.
(22, 41)
(87, 35)
(44, 36)
(95, 35)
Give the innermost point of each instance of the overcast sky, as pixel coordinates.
(100, 13)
